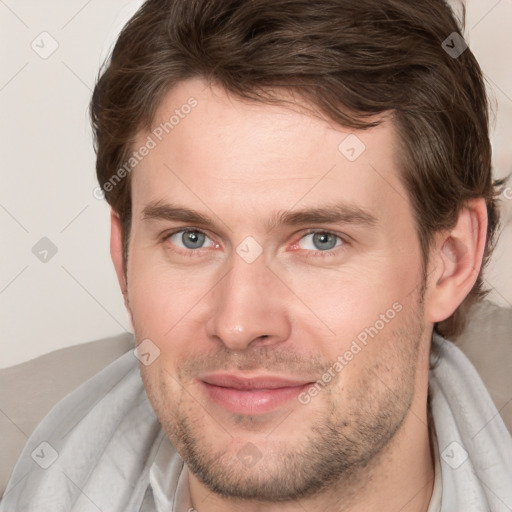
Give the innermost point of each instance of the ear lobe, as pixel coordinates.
(456, 259)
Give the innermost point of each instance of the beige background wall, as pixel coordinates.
(63, 291)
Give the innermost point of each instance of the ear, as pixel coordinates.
(455, 262)
(116, 252)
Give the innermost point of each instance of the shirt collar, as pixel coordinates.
(168, 477)
(437, 491)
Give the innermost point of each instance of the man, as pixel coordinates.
(302, 205)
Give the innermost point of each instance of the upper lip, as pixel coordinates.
(240, 382)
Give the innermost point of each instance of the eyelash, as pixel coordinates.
(324, 254)
(312, 253)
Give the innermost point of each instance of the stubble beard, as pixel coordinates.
(340, 450)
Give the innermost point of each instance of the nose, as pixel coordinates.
(249, 307)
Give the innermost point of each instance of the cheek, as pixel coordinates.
(150, 303)
(381, 359)
(164, 300)
(159, 388)
(353, 297)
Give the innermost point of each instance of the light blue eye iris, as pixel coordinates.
(193, 239)
(323, 241)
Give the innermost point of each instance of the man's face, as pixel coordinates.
(250, 310)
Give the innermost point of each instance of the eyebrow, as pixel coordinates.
(338, 213)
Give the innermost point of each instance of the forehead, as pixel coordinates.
(215, 152)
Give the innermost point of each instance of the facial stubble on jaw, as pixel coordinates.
(338, 451)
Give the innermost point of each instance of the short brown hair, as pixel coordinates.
(349, 59)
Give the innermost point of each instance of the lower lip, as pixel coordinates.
(253, 401)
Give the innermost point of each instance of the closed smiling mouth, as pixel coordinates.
(255, 394)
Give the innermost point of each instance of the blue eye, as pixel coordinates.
(321, 241)
(316, 243)
(188, 239)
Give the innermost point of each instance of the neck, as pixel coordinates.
(401, 478)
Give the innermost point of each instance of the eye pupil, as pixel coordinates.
(324, 241)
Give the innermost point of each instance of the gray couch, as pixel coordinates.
(29, 390)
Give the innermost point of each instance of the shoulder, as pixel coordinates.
(87, 425)
(487, 343)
